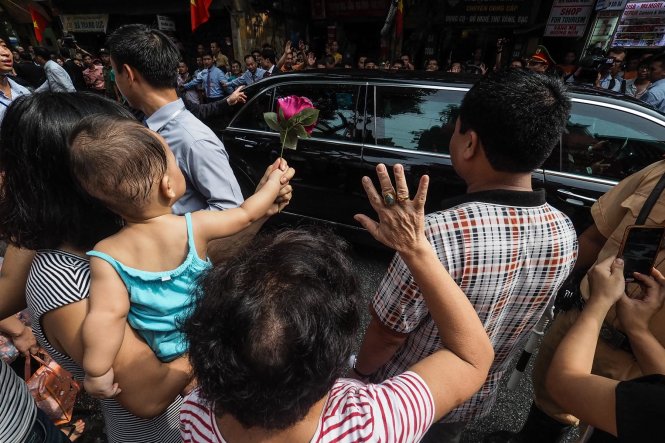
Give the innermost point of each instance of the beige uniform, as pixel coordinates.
(612, 213)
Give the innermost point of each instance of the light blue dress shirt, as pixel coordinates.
(211, 80)
(247, 78)
(655, 95)
(201, 157)
(57, 79)
(17, 91)
(607, 81)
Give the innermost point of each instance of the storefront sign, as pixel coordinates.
(611, 5)
(568, 18)
(642, 25)
(165, 23)
(85, 23)
(355, 8)
(488, 12)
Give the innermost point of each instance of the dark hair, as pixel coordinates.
(41, 206)
(25, 55)
(660, 58)
(269, 54)
(149, 51)
(617, 50)
(249, 56)
(518, 116)
(64, 52)
(273, 329)
(117, 160)
(40, 51)
(207, 54)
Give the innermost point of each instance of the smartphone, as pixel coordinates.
(639, 249)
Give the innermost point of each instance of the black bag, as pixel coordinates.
(569, 296)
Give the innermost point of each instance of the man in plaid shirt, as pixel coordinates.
(506, 248)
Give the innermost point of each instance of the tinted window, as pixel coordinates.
(251, 116)
(415, 118)
(609, 143)
(337, 105)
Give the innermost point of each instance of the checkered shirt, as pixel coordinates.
(509, 261)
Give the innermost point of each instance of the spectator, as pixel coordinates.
(568, 67)
(432, 65)
(517, 63)
(631, 410)
(406, 62)
(94, 75)
(211, 78)
(329, 62)
(370, 64)
(334, 51)
(251, 75)
(200, 50)
(396, 65)
(610, 77)
(311, 61)
(257, 56)
(286, 61)
(280, 371)
(476, 64)
(236, 70)
(655, 95)
(495, 147)
(57, 79)
(31, 72)
(221, 60)
(109, 76)
(455, 68)
(9, 89)
(361, 61)
(268, 63)
(639, 86)
(185, 77)
(630, 72)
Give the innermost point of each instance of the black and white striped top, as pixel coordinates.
(56, 279)
(17, 408)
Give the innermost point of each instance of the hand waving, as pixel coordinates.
(401, 223)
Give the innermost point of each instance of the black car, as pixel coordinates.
(371, 117)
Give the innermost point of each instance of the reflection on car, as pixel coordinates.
(370, 117)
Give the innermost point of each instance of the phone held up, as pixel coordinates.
(639, 249)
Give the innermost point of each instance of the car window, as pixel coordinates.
(251, 115)
(337, 105)
(415, 118)
(609, 143)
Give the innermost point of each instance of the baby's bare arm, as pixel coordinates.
(104, 326)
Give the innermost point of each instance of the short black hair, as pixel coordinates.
(43, 52)
(149, 51)
(131, 156)
(249, 56)
(41, 206)
(660, 58)
(270, 55)
(273, 329)
(518, 116)
(617, 50)
(64, 52)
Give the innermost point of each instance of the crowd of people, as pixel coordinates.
(139, 263)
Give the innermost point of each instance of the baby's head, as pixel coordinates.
(124, 164)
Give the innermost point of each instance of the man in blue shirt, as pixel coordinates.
(655, 95)
(252, 75)
(9, 89)
(57, 79)
(211, 78)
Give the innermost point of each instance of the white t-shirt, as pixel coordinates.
(401, 409)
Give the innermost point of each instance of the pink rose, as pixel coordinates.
(292, 105)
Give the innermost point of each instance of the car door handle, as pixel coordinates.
(248, 143)
(576, 199)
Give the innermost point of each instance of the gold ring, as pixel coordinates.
(402, 199)
(389, 198)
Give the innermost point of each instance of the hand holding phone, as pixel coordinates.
(640, 248)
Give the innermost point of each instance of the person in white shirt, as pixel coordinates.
(57, 79)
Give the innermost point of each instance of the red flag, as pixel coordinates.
(399, 19)
(200, 14)
(38, 22)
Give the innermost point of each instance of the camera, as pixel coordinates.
(69, 41)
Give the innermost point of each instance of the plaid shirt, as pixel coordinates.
(509, 252)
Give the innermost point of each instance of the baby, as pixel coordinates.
(145, 273)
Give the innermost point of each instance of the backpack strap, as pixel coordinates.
(650, 201)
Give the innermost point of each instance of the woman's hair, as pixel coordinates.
(117, 160)
(41, 206)
(273, 329)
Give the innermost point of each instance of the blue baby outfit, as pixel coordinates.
(159, 300)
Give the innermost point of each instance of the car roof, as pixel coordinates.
(439, 78)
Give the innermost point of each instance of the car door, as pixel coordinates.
(602, 144)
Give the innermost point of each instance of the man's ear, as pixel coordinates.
(472, 146)
(129, 72)
(166, 188)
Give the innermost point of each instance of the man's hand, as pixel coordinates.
(236, 96)
(635, 314)
(606, 281)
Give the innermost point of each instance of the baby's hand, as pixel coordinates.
(102, 386)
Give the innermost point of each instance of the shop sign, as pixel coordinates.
(611, 5)
(568, 18)
(355, 8)
(488, 12)
(642, 25)
(165, 23)
(85, 22)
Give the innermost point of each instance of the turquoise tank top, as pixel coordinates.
(160, 300)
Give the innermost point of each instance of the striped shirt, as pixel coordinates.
(56, 279)
(17, 408)
(398, 410)
(509, 252)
